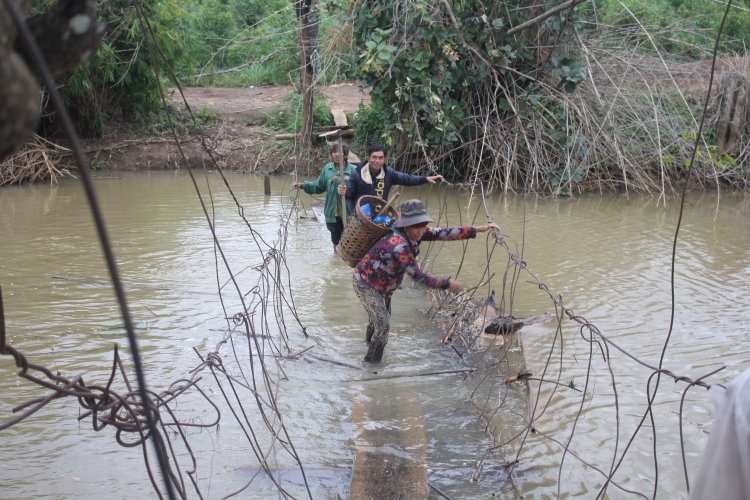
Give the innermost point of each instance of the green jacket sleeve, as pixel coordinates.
(318, 186)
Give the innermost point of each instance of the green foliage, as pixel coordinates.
(422, 72)
(289, 118)
(684, 28)
(229, 33)
(370, 123)
(214, 24)
(205, 117)
(565, 175)
(158, 123)
(199, 37)
(119, 79)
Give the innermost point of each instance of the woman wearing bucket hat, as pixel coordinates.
(382, 269)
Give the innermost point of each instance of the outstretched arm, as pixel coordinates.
(313, 187)
(487, 227)
(407, 262)
(402, 179)
(413, 180)
(456, 233)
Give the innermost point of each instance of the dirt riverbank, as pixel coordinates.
(243, 143)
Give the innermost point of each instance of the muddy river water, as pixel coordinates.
(607, 255)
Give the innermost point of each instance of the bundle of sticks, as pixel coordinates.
(33, 162)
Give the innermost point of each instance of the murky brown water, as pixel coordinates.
(607, 256)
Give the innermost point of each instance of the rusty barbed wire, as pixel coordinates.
(459, 313)
(127, 414)
(124, 412)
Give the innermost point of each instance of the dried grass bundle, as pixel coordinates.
(36, 161)
(631, 125)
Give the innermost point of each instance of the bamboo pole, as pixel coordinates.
(341, 177)
(388, 205)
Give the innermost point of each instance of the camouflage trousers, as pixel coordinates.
(378, 308)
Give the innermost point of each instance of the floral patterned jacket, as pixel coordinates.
(384, 266)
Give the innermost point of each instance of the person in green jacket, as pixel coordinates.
(327, 183)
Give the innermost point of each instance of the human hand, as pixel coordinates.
(432, 178)
(456, 286)
(296, 185)
(487, 227)
(341, 189)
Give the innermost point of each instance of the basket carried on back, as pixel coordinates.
(358, 239)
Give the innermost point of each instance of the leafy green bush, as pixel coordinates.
(426, 80)
(198, 37)
(289, 118)
(267, 51)
(370, 122)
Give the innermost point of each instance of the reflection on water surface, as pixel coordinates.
(608, 256)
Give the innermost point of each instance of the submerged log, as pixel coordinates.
(390, 458)
(504, 325)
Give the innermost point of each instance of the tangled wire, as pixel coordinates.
(141, 415)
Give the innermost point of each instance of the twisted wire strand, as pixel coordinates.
(128, 414)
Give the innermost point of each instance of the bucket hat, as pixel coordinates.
(412, 212)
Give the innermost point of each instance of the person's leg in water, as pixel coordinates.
(336, 229)
(371, 327)
(378, 310)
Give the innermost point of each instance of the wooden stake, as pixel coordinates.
(341, 178)
(267, 185)
(388, 205)
(2, 324)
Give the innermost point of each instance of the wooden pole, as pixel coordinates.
(388, 205)
(267, 185)
(2, 324)
(341, 178)
(308, 22)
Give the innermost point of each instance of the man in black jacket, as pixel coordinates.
(375, 178)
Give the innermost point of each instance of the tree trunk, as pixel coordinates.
(733, 112)
(308, 21)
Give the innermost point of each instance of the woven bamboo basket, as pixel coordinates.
(358, 239)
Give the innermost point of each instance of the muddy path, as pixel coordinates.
(243, 143)
(252, 104)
